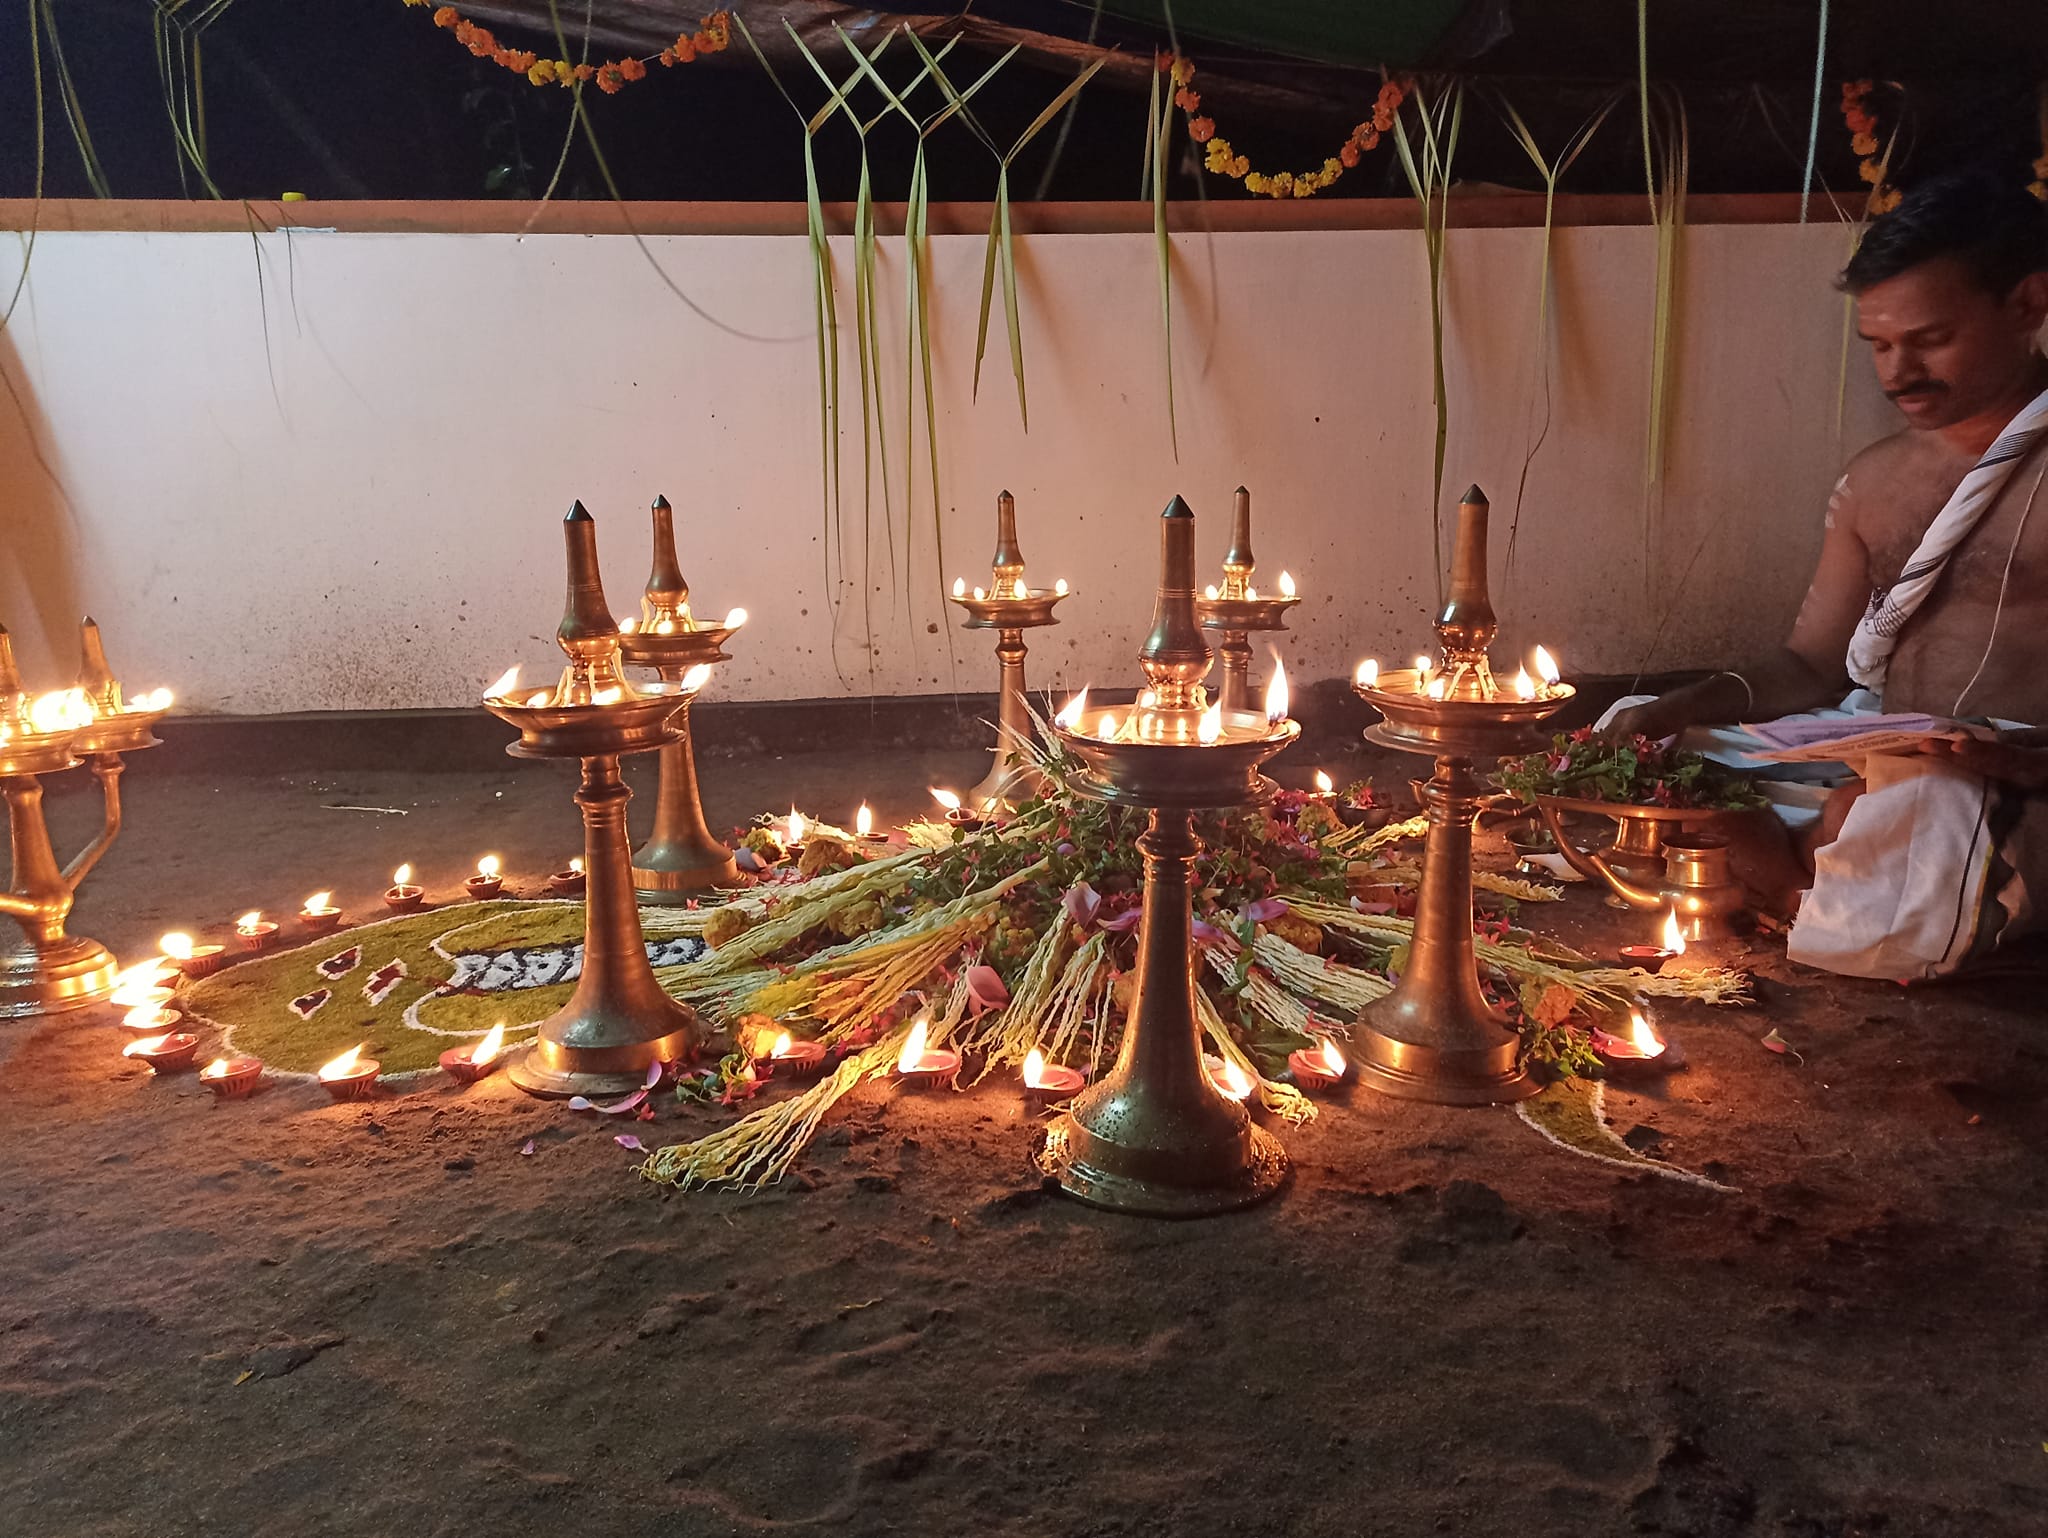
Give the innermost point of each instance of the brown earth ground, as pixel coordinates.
(295, 1318)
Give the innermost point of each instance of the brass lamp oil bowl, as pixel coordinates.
(1009, 605)
(50, 970)
(1237, 608)
(619, 1022)
(681, 858)
(1154, 1135)
(1435, 1037)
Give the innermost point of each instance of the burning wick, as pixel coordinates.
(1422, 666)
(1252, 594)
(1276, 693)
(402, 894)
(1546, 669)
(166, 1053)
(1317, 1069)
(1209, 592)
(979, 595)
(1437, 687)
(1286, 585)
(695, 679)
(506, 683)
(318, 913)
(1059, 588)
(628, 626)
(1368, 674)
(176, 945)
(919, 1066)
(785, 1052)
(1069, 717)
(254, 930)
(793, 831)
(1212, 723)
(945, 798)
(1641, 1046)
(469, 1064)
(350, 1076)
(487, 881)
(1106, 727)
(232, 1078)
(1525, 686)
(1324, 786)
(959, 587)
(1653, 957)
(864, 822)
(1050, 1081)
(735, 618)
(193, 960)
(1226, 1078)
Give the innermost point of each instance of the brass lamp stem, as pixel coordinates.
(1012, 774)
(682, 856)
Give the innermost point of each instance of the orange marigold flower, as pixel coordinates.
(1349, 154)
(1382, 119)
(447, 16)
(1187, 100)
(1864, 144)
(1869, 172)
(585, 71)
(1370, 139)
(465, 30)
(686, 50)
(1201, 129)
(632, 69)
(609, 80)
(717, 30)
(540, 71)
(668, 58)
(1183, 71)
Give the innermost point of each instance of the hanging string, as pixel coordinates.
(1820, 60)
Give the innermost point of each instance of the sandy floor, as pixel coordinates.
(288, 1317)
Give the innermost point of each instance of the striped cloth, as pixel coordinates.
(1892, 608)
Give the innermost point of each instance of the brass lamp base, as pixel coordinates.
(681, 859)
(554, 1069)
(68, 974)
(1088, 1169)
(1394, 1055)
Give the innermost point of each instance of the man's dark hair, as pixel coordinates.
(1995, 227)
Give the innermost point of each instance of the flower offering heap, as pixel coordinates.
(1009, 605)
(618, 1022)
(51, 970)
(682, 858)
(1155, 1135)
(1435, 1037)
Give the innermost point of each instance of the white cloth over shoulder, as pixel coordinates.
(1891, 610)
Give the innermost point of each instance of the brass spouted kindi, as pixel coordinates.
(682, 858)
(1009, 605)
(1698, 885)
(1154, 1135)
(619, 1021)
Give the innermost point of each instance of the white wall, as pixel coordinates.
(359, 509)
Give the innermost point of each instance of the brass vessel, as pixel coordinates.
(682, 858)
(1698, 884)
(1434, 1037)
(1009, 607)
(50, 970)
(1237, 610)
(1153, 1135)
(619, 1021)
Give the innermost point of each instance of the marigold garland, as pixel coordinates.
(1862, 125)
(1221, 160)
(712, 36)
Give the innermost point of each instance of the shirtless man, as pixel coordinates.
(1951, 293)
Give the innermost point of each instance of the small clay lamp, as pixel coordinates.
(350, 1076)
(152, 1018)
(568, 883)
(1046, 1082)
(466, 1065)
(1652, 958)
(958, 816)
(1318, 1067)
(787, 1054)
(790, 836)
(232, 1078)
(921, 1067)
(402, 896)
(864, 830)
(255, 931)
(171, 1052)
(1639, 1054)
(194, 961)
(487, 882)
(1229, 1080)
(319, 916)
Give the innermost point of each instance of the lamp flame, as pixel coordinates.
(781, 1046)
(1106, 727)
(1323, 784)
(1368, 674)
(794, 830)
(1525, 686)
(944, 797)
(344, 1066)
(664, 627)
(507, 682)
(864, 821)
(143, 1045)
(1286, 585)
(319, 902)
(247, 923)
(735, 618)
(1276, 693)
(695, 679)
(1070, 713)
(979, 594)
(1437, 687)
(217, 1069)
(1674, 937)
(489, 865)
(1642, 1037)
(1332, 1058)
(628, 626)
(488, 1049)
(176, 945)
(1209, 591)
(577, 865)
(156, 699)
(1059, 588)
(66, 710)
(1034, 1068)
(913, 1049)
(402, 876)
(1212, 723)
(1236, 1085)
(959, 587)
(1546, 668)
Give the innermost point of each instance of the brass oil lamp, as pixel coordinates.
(1154, 1135)
(619, 1021)
(681, 858)
(1009, 605)
(1434, 1037)
(1237, 608)
(50, 970)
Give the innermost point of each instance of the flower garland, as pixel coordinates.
(1862, 125)
(1221, 160)
(711, 37)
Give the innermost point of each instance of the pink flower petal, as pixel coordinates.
(1265, 909)
(985, 987)
(581, 1103)
(627, 1140)
(1117, 923)
(1081, 902)
(1208, 934)
(527, 1151)
(655, 1070)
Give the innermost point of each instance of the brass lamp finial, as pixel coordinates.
(1008, 564)
(1175, 656)
(1467, 624)
(1238, 561)
(588, 633)
(667, 596)
(95, 677)
(13, 694)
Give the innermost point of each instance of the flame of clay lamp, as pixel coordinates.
(1368, 674)
(695, 679)
(577, 865)
(1106, 727)
(217, 1069)
(1332, 1058)
(1674, 937)
(781, 1045)
(944, 797)
(913, 1047)
(959, 587)
(318, 902)
(1059, 588)
(793, 832)
(1212, 723)
(402, 876)
(1641, 1037)
(1323, 785)
(1034, 1068)
(1525, 686)
(863, 821)
(489, 865)
(1071, 712)
(142, 1046)
(341, 1067)
(734, 618)
(488, 1049)
(1237, 1085)
(246, 924)
(1276, 694)
(1286, 585)
(1546, 669)
(507, 682)
(176, 945)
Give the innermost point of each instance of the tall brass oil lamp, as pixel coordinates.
(1009, 605)
(619, 1021)
(682, 858)
(1435, 1037)
(1154, 1135)
(50, 970)
(1238, 608)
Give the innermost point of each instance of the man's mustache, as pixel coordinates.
(1923, 387)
